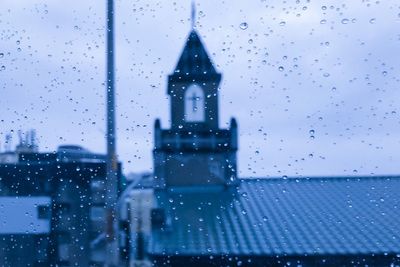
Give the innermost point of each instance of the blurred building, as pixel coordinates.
(198, 213)
(194, 150)
(52, 207)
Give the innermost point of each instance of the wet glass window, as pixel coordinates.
(199, 133)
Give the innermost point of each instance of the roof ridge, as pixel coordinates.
(313, 178)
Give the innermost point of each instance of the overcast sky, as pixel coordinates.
(314, 85)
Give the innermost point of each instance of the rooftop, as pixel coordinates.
(318, 216)
(194, 58)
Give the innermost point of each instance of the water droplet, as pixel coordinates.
(372, 21)
(323, 21)
(282, 23)
(243, 25)
(345, 21)
(281, 68)
(1, 55)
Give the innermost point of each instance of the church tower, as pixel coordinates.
(194, 151)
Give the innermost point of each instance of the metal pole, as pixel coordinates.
(112, 162)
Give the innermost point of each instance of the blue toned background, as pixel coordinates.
(314, 85)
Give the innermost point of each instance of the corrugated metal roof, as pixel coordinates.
(283, 217)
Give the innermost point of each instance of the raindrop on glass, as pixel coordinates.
(243, 25)
(345, 21)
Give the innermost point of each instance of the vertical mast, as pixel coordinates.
(111, 169)
(193, 15)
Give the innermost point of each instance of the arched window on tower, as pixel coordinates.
(194, 104)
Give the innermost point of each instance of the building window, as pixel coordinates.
(194, 104)
(64, 240)
(44, 212)
(97, 185)
(97, 213)
(63, 252)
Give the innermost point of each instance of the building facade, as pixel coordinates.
(198, 213)
(52, 208)
(194, 150)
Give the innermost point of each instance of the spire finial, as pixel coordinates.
(193, 15)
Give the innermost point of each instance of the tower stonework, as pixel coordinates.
(194, 151)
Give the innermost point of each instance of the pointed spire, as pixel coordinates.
(194, 58)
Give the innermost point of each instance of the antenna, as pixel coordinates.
(7, 145)
(26, 144)
(32, 137)
(20, 137)
(34, 145)
(193, 15)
